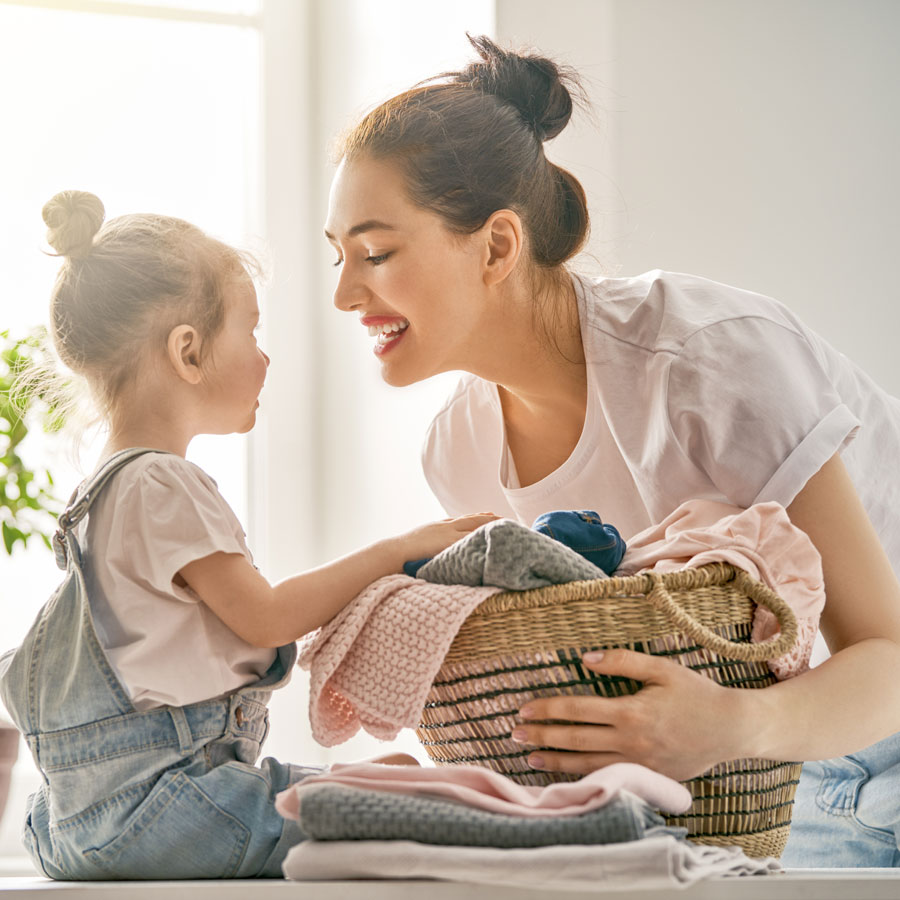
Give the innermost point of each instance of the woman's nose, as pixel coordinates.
(349, 294)
(266, 357)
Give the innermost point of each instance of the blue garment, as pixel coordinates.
(582, 530)
(579, 529)
(171, 792)
(847, 811)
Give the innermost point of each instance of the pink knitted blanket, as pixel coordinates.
(372, 665)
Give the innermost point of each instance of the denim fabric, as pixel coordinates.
(168, 793)
(847, 811)
(582, 530)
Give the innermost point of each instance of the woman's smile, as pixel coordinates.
(388, 331)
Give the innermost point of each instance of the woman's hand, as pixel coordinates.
(428, 540)
(680, 723)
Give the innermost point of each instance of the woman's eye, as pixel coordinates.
(377, 260)
(337, 262)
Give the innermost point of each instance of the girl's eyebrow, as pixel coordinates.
(362, 227)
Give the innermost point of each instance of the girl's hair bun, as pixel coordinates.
(537, 87)
(72, 219)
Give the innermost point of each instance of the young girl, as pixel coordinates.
(142, 687)
(630, 396)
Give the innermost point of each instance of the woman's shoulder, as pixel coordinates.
(660, 311)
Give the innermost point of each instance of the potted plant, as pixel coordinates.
(28, 507)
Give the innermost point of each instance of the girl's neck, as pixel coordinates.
(138, 425)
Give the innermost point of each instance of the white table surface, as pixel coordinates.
(799, 884)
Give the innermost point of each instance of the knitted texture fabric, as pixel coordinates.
(372, 665)
(509, 555)
(336, 813)
(482, 788)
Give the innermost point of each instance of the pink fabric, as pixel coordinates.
(484, 789)
(372, 665)
(763, 542)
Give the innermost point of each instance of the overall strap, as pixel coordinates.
(84, 495)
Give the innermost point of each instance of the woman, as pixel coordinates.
(630, 396)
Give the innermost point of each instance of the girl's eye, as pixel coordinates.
(377, 260)
(337, 262)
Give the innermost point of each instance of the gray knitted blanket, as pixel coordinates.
(507, 554)
(331, 812)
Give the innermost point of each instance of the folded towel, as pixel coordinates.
(485, 789)
(331, 812)
(655, 862)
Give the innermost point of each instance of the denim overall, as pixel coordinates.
(171, 792)
(847, 810)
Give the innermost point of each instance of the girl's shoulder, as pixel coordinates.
(164, 470)
(158, 480)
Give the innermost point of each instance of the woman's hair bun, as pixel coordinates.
(536, 86)
(72, 219)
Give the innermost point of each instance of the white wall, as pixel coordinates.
(752, 141)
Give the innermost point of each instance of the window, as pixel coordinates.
(220, 111)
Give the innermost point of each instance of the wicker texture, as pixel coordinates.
(519, 645)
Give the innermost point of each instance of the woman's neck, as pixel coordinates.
(537, 358)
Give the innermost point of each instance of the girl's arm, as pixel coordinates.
(681, 723)
(269, 616)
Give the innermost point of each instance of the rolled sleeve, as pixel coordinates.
(750, 403)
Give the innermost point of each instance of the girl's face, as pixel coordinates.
(415, 284)
(237, 366)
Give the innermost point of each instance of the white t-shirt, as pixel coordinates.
(155, 515)
(695, 390)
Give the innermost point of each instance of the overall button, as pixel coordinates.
(239, 716)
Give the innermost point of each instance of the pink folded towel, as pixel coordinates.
(760, 540)
(372, 665)
(487, 790)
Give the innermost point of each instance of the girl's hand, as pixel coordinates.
(680, 723)
(429, 540)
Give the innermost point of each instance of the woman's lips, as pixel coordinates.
(384, 343)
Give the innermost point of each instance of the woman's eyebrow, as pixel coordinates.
(362, 227)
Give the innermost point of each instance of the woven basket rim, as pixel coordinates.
(618, 586)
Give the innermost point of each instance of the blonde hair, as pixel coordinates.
(124, 285)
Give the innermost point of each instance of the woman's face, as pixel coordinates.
(416, 285)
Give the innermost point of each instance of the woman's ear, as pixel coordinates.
(504, 242)
(183, 351)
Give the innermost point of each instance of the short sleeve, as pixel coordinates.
(750, 404)
(168, 513)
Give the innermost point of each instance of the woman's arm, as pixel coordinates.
(681, 723)
(269, 616)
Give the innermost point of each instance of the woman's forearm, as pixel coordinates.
(848, 702)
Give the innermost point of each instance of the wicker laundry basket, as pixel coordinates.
(519, 645)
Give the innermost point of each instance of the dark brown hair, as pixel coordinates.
(471, 142)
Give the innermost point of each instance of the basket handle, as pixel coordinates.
(660, 599)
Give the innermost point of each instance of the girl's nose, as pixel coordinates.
(266, 358)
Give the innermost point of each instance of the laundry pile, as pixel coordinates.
(373, 666)
(469, 823)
